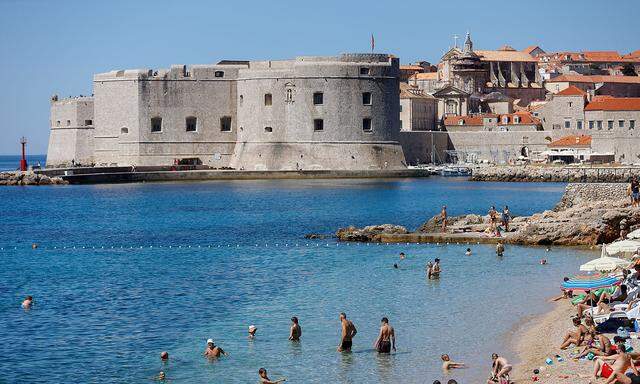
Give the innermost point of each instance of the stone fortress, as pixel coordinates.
(357, 112)
(309, 113)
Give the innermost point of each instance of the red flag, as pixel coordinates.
(373, 43)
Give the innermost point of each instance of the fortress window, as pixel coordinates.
(366, 125)
(124, 130)
(68, 123)
(620, 123)
(268, 99)
(191, 124)
(289, 95)
(366, 98)
(365, 71)
(156, 124)
(318, 98)
(58, 123)
(218, 74)
(88, 122)
(225, 124)
(318, 125)
(268, 129)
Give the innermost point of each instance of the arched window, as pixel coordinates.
(289, 95)
(124, 130)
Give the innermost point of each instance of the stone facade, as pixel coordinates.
(307, 113)
(72, 132)
(418, 110)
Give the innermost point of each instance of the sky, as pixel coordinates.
(54, 47)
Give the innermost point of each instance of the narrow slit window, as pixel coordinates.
(268, 99)
(318, 125)
(191, 124)
(156, 124)
(225, 124)
(366, 98)
(366, 125)
(318, 98)
(218, 73)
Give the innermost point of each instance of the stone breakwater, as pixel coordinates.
(28, 178)
(588, 214)
(554, 174)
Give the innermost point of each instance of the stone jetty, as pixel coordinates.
(588, 214)
(28, 178)
(537, 173)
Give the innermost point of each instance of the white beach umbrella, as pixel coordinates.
(604, 264)
(623, 246)
(634, 235)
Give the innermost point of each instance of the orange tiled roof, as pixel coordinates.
(595, 79)
(572, 90)
(573, 141)
(411, 68)
(425, 76)
(614, 104)
(505, 55)
(530, 49)
(602, 56)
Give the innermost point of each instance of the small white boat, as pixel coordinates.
(455, 171)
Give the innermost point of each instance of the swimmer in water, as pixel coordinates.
(386, 339)
(468, 253)
(28, 302)
(264, 379)
(447, 364)
(296, 330)
(213, 351)
(252, 332)
(348, 333)
(402, 256)
(164, 356)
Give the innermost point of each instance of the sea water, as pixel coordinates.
(123, 272)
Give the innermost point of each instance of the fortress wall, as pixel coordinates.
(418, 145)
(498, 147)
(71, 135)
(282, 135)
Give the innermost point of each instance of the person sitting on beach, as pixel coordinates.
(443, 218)
(296, 330)
(606, 299)
(386, 338)
(348, 333)
(447, 364)
(213, 351)
(264, 379)
(27, 303)
(576, 337)
(609, 366)
(500, 369)
(468, 252)
(600, 345)
(252, 332)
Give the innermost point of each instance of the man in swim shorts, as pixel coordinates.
(447, 364)
(348, 333)
(610, 367)
(387, 337)
(500, 369)
(213, 351)
(443, 218)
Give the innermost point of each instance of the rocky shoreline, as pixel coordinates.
(28, 178)
(587, 215)
(535, 173)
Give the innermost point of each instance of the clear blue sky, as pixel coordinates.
(49, 47)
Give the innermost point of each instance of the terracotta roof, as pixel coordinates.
(411, 68)
(503, 55)
(614, 104)
(425, 76)
(531, 48)
(602, 56)
(595, 79)
(573, 141)
(473, 120)
(408, 91)
(634, 54)
(572, 90)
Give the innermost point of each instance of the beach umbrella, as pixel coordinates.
(604, 264)
(585, 283)
(634, 235)
(623, 246)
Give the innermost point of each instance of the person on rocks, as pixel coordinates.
(634, 191)
(443, 218)
(506, 218)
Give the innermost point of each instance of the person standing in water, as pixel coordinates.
(443, 218)
(499, 249)
(499, 370)
(213, 351)
(435, 269)
(296, 330)
(387, 338)
(264, 379)
(348, 333)
(27, 303)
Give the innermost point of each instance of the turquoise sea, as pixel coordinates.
(123, 272)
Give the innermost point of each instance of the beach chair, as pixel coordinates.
(619, 308)
(621, 313)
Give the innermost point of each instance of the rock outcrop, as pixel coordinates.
(28, 178)
(587, 214)
(554, 174)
